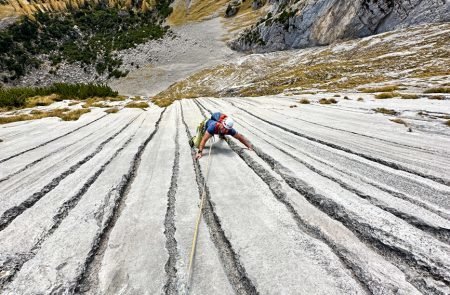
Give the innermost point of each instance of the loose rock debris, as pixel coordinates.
(334, 200)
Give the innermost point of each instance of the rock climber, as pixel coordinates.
(220, 124)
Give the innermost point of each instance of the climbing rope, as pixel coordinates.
(199, 217)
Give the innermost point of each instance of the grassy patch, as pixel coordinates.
(112, 111)
(245, 17)
(360, 99)
(73, 115)
(94, 102)
(385, 95)
(437, 97)
(430, 72)
(65, 114)
(388, 88)
(101, 104)
(408, 96)
(17, 118)
(198, 10)
(38, 112)
(327, 101)
(385, 111)
(438, 90)
(40, 101)
(304, 101)
(117, 98)
(398, 121)
(447, 123)
(163, 102)
(137, 105)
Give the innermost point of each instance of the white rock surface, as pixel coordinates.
(335, 199)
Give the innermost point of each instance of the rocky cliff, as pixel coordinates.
(304, 23)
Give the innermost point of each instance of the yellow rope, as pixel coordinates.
(199, 217)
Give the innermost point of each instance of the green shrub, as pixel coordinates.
(163, 7)
(81, 91)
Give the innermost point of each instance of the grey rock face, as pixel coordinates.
(304, 23)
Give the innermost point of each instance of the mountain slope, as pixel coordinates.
(415, 54)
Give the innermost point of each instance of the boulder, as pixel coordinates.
(257, 4)
(231, 10)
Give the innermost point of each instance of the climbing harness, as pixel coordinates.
(199, 217)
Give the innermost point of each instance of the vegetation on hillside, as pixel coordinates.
(20, 96)
(89, 35)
